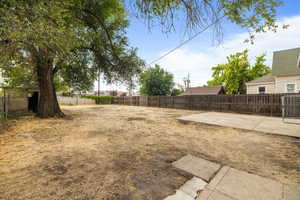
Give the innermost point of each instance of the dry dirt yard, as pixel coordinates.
(122, 152)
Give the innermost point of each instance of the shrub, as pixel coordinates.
(176, 92)
(99, 99)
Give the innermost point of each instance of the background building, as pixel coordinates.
(285, 75)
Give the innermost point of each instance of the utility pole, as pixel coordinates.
(187, 81)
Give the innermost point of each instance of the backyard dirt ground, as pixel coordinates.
(122, 152)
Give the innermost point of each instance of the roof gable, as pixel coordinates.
(208, 90)
(264, 79)
(286, 62)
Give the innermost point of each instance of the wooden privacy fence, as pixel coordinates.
(267, 104)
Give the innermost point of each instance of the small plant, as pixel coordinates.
(99, 99)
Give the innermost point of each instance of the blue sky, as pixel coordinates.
(149, 42)
(199, 55)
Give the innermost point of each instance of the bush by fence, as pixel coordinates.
(100, 99)
(267, 104)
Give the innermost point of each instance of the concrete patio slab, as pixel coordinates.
(273, 125)
(228, 183)
(291, 193)
(198, 167)
(241, 185)
(215, 195)
(233, 184)
(217, 179)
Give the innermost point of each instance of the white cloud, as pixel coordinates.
(199, 62)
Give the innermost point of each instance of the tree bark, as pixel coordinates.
(48, 105)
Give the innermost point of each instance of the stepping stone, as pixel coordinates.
(179, 195)
(193, 186)
(198, 167)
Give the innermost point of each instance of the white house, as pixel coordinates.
(285, 75)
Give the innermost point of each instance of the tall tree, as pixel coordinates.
(155, 81)
(259, 68)
(50, 35)
(237, 71)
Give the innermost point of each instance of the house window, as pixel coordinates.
(290, 87)
(262, 90)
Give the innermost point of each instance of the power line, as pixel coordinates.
(186, 41)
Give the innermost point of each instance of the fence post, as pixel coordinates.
(158, 101)
(186, 102)
(173, 99)
(147, 101)
(7, 100)
(271, 101)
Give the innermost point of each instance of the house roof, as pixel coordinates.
(264, 79)
(209, 90)
(286, 62)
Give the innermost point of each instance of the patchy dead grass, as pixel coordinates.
(122, 152)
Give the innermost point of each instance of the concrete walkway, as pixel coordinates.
(233, 184)
(273, 125)
(227, 183)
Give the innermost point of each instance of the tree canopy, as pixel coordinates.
(155, 81)
(68, 39)
(255, 16)
(234, 74)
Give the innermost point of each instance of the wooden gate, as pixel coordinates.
(290, 106)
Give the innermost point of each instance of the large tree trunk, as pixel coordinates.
(48, 105)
